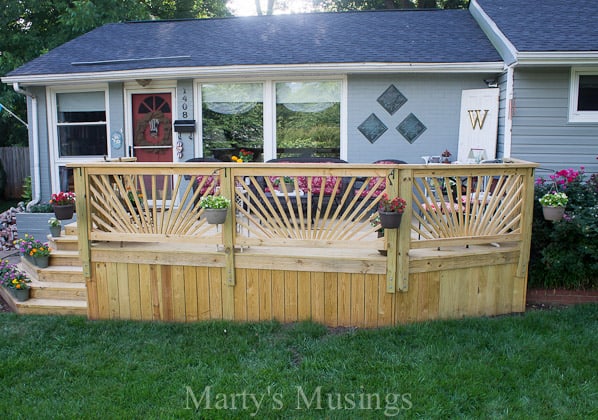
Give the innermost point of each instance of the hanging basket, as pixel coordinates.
(64, 212)
(390, 220)
(553, 214)
(215, 216)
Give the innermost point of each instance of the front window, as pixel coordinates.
(584, 96)
(81, 124)
(232, 119)
(308, 118)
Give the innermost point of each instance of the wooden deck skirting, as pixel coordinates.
(319, 262)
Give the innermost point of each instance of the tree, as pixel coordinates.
(346, 5)
(29, 28)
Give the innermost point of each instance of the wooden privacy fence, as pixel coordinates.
(294, 218)
(15, 161)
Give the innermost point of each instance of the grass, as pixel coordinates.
(538, 365)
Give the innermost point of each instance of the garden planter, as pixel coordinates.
(215, 216)
(290, 186)
(20, 295)
(390, 220)
(553, 214)
(41, 261)
(64, 212)
(55, 231)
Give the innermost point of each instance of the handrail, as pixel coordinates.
(329, 206)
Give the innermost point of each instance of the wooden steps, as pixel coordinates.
(58, 289)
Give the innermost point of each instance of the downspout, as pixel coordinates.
(36, 182)
(510, 108)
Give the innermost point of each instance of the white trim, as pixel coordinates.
(508, 125)
(492, 31)
(269, 107)
(55, 160)
(265, 71)
(131, 89)
(575, 115)
(563, 58)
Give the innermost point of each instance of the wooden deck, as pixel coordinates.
(325, 268)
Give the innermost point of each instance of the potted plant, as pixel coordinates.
(55, 227)
(14, 281)
(446, 156)
(25, 245)
(215, 208)
(288, 182)
(553, 205)
(64, 205)
(391, 211)
(41, 254)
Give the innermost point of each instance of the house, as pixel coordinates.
(360, 86)
(550, 83)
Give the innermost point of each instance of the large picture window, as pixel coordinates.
(308, 119)
(271, 119)
(81, 124)
(232, 119)
(584, 95)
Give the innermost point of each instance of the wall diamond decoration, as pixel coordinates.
(372, 128)
(392, 99)
(411, 128)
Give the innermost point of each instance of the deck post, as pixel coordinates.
(227, 185)
(392, 235)
(404, 240)
(83, 228)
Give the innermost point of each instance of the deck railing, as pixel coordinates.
(326, 205)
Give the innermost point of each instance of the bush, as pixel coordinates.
(42, 208)
(565, 254)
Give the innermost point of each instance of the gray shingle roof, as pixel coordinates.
(443, 36)
(546, 25)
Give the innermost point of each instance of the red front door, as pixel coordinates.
(152, 127)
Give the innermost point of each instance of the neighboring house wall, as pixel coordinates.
(541, 130)
(435, 99)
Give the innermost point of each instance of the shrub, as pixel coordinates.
(565, 254)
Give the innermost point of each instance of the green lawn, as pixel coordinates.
(539, 365)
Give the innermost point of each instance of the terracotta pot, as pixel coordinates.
(553, 214)
(390, 220)
(64, 212)
(215, 216)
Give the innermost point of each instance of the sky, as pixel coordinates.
(247, 7)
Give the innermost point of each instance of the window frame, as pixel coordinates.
(576, 116)
(269, 107)
(53, 125)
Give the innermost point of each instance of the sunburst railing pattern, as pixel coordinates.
(462, 206)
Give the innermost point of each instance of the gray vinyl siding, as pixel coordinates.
(44, 151)
(435, 99)
(541, 129)
(116, 117)
(502, 112)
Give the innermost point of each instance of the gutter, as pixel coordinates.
(33, 126)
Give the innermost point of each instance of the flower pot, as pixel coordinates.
(41, 261)
(553, 214)
(64, 212)
(215, 216)
(20, 295)
(55, 231)
(390, 220)
(290, 186)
